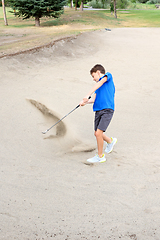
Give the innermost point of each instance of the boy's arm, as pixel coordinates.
(95, 87)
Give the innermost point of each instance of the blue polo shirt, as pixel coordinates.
(105, 94)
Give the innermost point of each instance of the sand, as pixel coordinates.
(47, 190)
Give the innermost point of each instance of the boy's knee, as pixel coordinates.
(98, 133)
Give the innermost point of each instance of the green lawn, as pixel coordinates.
(130, 18)
(140, 18)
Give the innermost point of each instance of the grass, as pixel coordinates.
(22, 34)
(140, 18)
(96, 19)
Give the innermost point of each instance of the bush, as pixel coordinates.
(98, 4)
(153, 1)
(112, 6)
(122, 4)
(143, 1)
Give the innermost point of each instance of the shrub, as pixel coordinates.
(98, 4)
(153, 1)
(143, 1)
(122, 4)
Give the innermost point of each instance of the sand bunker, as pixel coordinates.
(47, 192)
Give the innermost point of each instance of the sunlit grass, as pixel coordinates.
(150, 18)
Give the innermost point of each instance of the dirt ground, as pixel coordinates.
(47, 190)
(15, 40)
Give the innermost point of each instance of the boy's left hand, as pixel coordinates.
(82, 103)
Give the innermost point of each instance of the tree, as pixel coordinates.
(81, 6)
(76, 4)
(38, 8)
(111, 6)
(115, 10)
(71, 3)
(103, 2)
(4, 13)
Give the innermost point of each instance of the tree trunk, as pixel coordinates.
(76, 4)
(115, 11)
(37, 22)
(4, 13)
(71, 2)
(81, 7)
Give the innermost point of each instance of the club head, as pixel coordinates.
(45, 132)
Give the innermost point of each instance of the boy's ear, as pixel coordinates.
(98, 72)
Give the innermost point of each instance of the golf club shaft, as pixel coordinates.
(63, 117)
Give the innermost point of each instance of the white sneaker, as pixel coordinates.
(97, 159)
(110, 146)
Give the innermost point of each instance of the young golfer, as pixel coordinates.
(103, 106)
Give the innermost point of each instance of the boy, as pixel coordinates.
(103, 106)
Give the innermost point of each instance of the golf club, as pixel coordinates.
(63, 117)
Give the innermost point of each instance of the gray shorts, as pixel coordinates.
(102, 119)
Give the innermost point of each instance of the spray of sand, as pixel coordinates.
(61, 131)
(60, 128)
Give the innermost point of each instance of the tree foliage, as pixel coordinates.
(122, 4)
(37, 8)
(6, 3)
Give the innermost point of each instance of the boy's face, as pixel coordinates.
(96, 76)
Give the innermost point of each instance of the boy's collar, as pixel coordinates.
(103, 76)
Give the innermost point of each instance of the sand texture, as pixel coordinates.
(47, 190)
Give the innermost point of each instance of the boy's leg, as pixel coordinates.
(102, 120)
(100, 141)
(107, 139)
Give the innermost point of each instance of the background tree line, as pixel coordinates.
(54, 8)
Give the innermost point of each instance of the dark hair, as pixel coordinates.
(96, 68)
